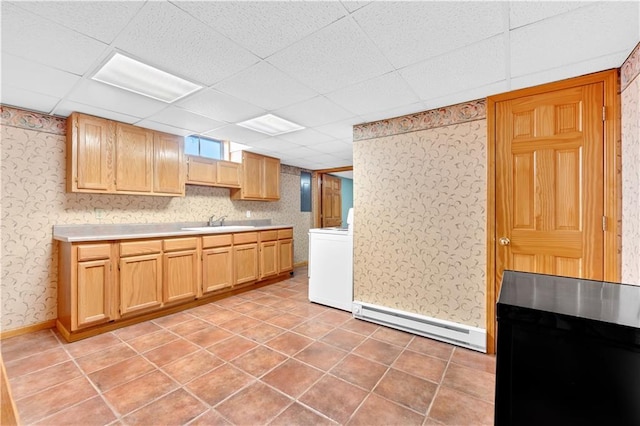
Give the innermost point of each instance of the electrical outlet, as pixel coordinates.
(99, 213)
(248, 213)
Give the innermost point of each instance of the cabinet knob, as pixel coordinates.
(504, 241)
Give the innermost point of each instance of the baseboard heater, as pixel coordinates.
(433, 328)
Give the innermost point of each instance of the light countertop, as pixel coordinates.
(102, 232)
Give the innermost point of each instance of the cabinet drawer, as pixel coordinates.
(209, 241)
(245, 238)
(175, 244)
(132, 248)
(268, 235)
(285, 233)
(94, 252)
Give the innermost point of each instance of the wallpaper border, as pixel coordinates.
(630, 68)
(430, 119)
(31, 120)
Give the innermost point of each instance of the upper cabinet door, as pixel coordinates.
(271, 178)
(168, 152)
(90, 154)
(252, 175)
(134, 158)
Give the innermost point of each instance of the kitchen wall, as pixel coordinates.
(420, 213)
(630, 84)
(420, 195)
(34, 199)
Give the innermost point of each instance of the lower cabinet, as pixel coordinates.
(113, 281)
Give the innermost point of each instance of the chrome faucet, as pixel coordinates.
(221, 219)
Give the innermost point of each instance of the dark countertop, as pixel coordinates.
(104, 232)
(596, 300)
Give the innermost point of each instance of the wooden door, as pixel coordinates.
(168, 161)
(140, 283)
(331, 201)
(94, 153)
(245, 260)
(180, 276)
(217, 269)
(271, 178)
(94, 292)
(134, 158)
(549, 183)
(252, 175)
(201, 171)
(268, 259)
(285, 255)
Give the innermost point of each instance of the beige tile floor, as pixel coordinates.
(267, 356)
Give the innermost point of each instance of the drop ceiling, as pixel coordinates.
(324, 65)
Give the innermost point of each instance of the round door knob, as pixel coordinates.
(504, 241)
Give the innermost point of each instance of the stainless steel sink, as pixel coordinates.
(219, 229)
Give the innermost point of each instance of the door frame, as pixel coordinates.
(612, 181)
(316, 194)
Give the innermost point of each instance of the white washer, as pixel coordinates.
(331, 267)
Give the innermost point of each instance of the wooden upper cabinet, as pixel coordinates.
(168, 155)
(210, 172)
(260, 178)
(109, 157)
(134, 158)
(89, 154)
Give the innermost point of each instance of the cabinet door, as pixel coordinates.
(228, 174)
(201, 171)
(93, 153)
(94, 292)
(268, 259)
(245, 259)
(217, 269)
(140, 283)
(252, 168)
(285, 255)
(180, 276)
(271, 178)
(167, 164)
(134, 158)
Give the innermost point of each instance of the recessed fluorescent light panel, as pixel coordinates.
(129, 74)
(270, 124)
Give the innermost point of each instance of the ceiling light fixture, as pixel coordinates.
(134, 76)
(271, 125)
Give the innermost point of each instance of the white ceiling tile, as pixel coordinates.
(274, 145)
(102, 20)
(394, 112)
(265, 86)
(28, 75)
(166, 37)
(27, 100)
(314, 112)
(472, 66)
(301, 152)
(102, 95)
(220, 106)
(467, 95)
(305, 137)
(340, 130)
(334, 57)
(352, 6)
(236, 133)
(161, 127)
(526, 12)
(331, 146)
(65, 108)
(575, 36)
(409, 32)
(385, 92)
(274, 25)
(182, 119)
(32, 37)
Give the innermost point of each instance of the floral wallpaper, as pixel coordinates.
(34, 199)
(420, 221)
(630, 169)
